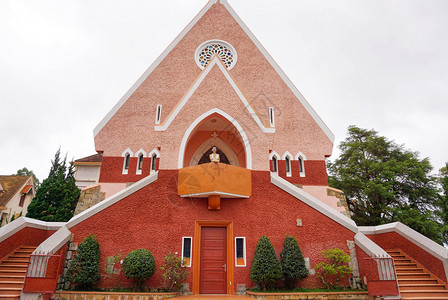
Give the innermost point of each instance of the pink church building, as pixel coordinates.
(216, 86)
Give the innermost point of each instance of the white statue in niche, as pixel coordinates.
(214, 157)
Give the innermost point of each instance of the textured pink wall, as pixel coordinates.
(132, 125)
(160, 218)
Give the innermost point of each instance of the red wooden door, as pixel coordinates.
(213, 275)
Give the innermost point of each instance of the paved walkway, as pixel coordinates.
(213, 297)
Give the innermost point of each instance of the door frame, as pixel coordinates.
(197, 253)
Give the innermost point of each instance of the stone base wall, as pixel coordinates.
(89, 197)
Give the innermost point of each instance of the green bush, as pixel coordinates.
(334, 269)
(266, 268)
(139, 265)
(293, 263)
(174, 274)
(84, 269)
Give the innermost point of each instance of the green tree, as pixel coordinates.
(384, 182)
(84, 269)
(25, 172)
(174, 274)
(442, 203)
(292, 261)
(58, 195)
(266, 268)
(139, 265)
(334, 269)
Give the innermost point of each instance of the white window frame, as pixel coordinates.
(288, 162)
(124, 154)
(139, 153)
(191, 250)
(303, 157)
(150, 155)
(158, 113)
(244, 251)
(271, 117)
(277, 157)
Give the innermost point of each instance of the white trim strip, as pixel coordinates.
(152, 67)
(215, 62)
(280, 72)
(313, 202)
(112, 200)
(53, 243)
(12, 228)
(206, 194)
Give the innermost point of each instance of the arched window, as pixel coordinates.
(140, 162)
(126, 158)
(300, 164)
(288, 165)
(153, 162)
(288, 157)
(126, 161)
(274, 157)
(301, 158)
(274, 164)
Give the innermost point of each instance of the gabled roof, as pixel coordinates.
(287, 81)
(95, 158)
(11, 186)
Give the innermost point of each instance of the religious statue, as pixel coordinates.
(214, 157)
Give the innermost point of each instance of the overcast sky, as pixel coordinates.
(379, 64)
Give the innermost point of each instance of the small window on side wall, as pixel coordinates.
(274, 164)
(126, 163)
(158, 113)
(153, 162)
(271, 117)
(186, 251)
(240, 251)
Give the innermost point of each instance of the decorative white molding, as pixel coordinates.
(207, 43)
(54, 242)
(206, 194)
(183, 144)
(280, 72)
(244, 251)
(154, 151)
(18, 224)
(300, 154)
(272, 154)
(152, 67)
(141, 151)
(230, 154)
(313, 202)
(112, 200)
(191, 250)
(214, 62)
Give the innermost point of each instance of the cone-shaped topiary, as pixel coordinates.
(84, 269)
(293, 263)
(139, 265)
(266, 268)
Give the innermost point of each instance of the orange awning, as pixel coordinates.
(26, 189)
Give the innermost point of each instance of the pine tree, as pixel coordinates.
(293, 263)
(57, 196)
(266, 268)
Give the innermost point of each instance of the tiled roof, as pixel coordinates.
(92, 158)
(11, 186)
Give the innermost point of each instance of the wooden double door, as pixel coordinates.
(213, 268)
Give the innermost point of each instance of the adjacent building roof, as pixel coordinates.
(95, 158)
(11, 186)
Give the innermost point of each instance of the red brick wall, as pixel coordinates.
(27, 236)
(156, 218)
(393, 240)
(112, 169)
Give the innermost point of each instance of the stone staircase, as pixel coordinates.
(13, 271)
(414, 281)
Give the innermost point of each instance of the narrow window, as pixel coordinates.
(274, 164)
(126, 161)
(300, 165)
(288, 165)
(186, 251)
(22, 200)
(140, 162)
(158, 113)
(271, 117)
(153, 162)
(240, 251)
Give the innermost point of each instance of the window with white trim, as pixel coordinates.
(140, 164)
(274, 164)
(153, 163)
(288, 166)
(186, 250)
(271, 117)
(126, 163)
(301, 159)
(240, 251)
(158, 113)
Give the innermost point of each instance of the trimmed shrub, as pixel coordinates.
(84, 269)
(266, 268)
(334, 269)
(139, 265)
(293, 263)
(174, 274)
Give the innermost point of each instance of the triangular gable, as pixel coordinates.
(287, 81)
(215, 62)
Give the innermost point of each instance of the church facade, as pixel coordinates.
(215, 86)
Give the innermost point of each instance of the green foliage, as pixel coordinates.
(174, 274)
(57, 196)
(336, 268)
(442, 203)
(292, 261)
(384, 182)
(139, 265)
(25, 172)
(84, 269)
(266, 268)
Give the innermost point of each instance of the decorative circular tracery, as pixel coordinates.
(224, 50)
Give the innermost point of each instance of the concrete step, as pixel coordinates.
(422, 286)
(409, 270)
(413, 275)
(10, 284)
(9, 297)
(424, 293)
(21, 263)
(19, 258)
(17, 277)
(10, 291)
(417, 281)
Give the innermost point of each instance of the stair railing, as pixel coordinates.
(386, 283)
(43, 273)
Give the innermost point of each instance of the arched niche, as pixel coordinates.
(215, 128)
